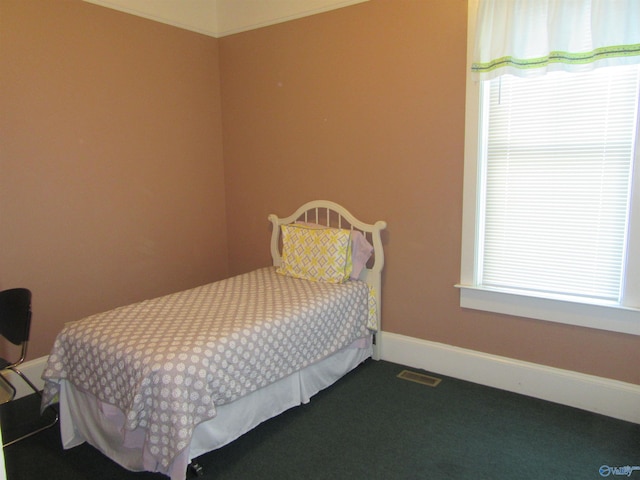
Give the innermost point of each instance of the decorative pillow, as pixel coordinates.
(361, 249)
(322, 255)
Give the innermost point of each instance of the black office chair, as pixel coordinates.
(15, 323)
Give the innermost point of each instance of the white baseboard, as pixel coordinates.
(33, 370)
(596, 394)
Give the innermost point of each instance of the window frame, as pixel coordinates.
(622, 318)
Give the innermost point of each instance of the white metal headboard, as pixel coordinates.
(333, 215)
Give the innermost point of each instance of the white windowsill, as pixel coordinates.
(603, 316)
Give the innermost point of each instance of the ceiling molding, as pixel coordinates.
(195, 15)
(235, 16)
(218, 18)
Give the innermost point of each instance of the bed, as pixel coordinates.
(156, 384)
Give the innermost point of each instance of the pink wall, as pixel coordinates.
(111, 174)
(365, 106)
(113, 186)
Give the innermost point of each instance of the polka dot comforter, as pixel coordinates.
(167, 363)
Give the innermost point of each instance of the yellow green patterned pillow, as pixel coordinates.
(322, 255)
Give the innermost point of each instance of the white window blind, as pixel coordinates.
(556, 169)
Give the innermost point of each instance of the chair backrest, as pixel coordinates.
(15, 314)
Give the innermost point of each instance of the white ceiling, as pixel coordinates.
(218, 18)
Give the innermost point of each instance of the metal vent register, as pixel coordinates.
(419, 378)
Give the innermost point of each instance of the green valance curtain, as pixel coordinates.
(531, 37)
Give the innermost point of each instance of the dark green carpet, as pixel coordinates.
(372, 425)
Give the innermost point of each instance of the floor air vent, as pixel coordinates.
(419, 378)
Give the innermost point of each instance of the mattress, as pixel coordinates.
(170, 363)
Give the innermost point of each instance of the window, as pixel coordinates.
(555, 167)
(549, 228)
